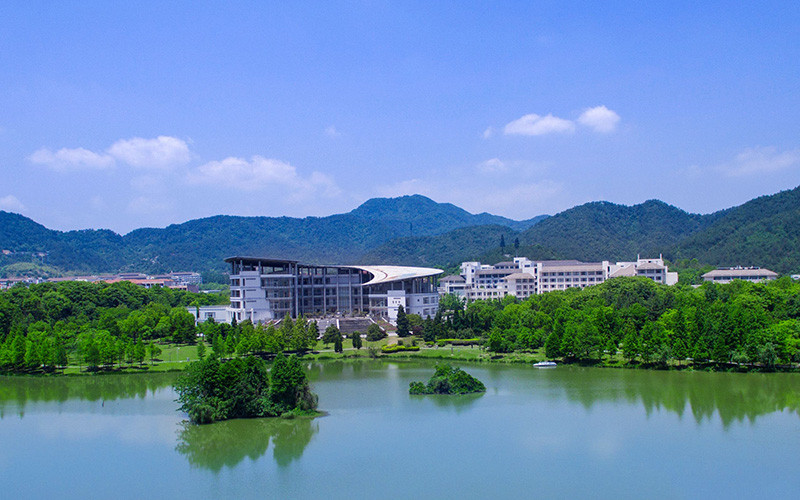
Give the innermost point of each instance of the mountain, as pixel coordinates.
(415, 230)
(416, 215)
(202, 244)
(764, 232)
(607, 231)
(444, 250)
(84, 250)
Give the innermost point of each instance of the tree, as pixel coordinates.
(154, 350)
(375, 333)
(356, 337)
(402, 322)
(218, 346)
(289, 387)
(768, 356)
(552, 346)
(201, 349)
(183, 326)
(331, 334)
(139, 352)
(337, 344)
(630, 341)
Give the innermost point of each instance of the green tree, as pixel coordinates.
(337, 345)
(154, 350)
(289, 387)
(375, 333)
(552, 346)
(331, 334)
(356, 337)
(402, 322)
(139, 352)
(201, 349)
(630, 341)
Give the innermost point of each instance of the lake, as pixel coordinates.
(563, 432)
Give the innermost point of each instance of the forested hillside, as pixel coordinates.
(764, 232)
(415, 230)
(202, 244)
(603, 230)
(417, 215)
(443, 250)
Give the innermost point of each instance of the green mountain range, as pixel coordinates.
(415, 230)
(201, 244)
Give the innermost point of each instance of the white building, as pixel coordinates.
(524, 277)
(268, 289)
(728, 274)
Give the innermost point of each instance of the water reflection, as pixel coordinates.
(457, 403)
(226, 444)
(17, 392)
(734, 397)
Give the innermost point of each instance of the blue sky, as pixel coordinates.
(150, 113)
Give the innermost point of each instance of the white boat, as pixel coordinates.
(545, 364)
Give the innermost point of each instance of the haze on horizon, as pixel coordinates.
(152, 113)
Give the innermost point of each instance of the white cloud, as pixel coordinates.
(71, 159)
(332, 132)
(760, 160)
(161, 153)
(11, 203)
(534, 124)
(492, 166)
(600, 119)
(260, 173)
(489, 132)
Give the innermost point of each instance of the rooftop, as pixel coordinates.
(741, 271)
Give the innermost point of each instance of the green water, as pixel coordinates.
(566, 432)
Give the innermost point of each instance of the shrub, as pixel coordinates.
(375, 333)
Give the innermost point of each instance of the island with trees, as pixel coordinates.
(448, 380)
(211, 390)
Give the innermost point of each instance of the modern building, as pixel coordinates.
(728, 274)
(265, 289)
(219, 314)
(524, 277)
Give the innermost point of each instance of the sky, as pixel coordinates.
(144, 114)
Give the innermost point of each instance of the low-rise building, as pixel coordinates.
(524, 277)
(728, 274)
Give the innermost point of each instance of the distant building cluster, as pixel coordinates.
(188, 281)
(523, 277)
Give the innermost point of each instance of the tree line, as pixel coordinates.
(643, 321)
(47, 326)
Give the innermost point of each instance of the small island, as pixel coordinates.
(212, 390)
(448, 380)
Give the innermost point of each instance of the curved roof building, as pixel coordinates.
(264, 289)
